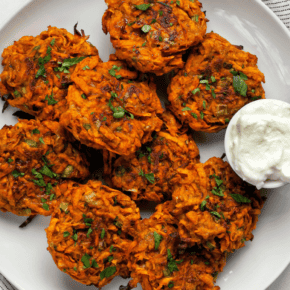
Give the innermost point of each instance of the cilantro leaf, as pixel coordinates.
(72, 61)
(103, 233)
(86, 261)
(157, 239)
(240, 86)
(46, 171)
(203, 204)
(35, 131)
(186, 109)
(50, 100)
(16, 174)
(66, 234)
(217, 191)
(240, 198)
(143, 7)
(216, 214)
(94, 264)
(197, 90)
(150, 177)
(108, 272)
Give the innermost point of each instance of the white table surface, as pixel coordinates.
(9, 7)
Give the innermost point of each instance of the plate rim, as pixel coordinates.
(18, 9)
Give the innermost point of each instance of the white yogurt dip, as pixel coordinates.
(258, 142)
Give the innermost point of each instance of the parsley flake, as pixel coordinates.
(240, 198)
(108, 272)
(157, 239)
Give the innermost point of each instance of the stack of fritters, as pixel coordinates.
(96, 232)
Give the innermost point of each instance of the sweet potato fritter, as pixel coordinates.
(107, 110)
(33, 158)
(37, 71)
(218, 80)
(152, 35)
(158, 260)
(150, 172)
(87, 235)
(215, 207)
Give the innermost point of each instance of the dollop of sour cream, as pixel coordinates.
(258, 142)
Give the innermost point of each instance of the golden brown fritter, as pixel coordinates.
(215, 207)
(152, 35)
(37, 71)
(150, 172)
(109, 109)
(158, 259)
(219, 79)
(87, 235)
(34, 156)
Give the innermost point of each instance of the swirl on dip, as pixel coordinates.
(258, 142)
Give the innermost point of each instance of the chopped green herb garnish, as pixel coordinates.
(46, 171)
(86, 67)
(16, 174)
(83, 96)
(9, 160)
(35, 131)
(108, 272)
(94, 264)
(197, 90)
(204, 104)
(172, 264)
(213, 79)
(52, 42)
(89, 232)
(157, 239)
(103, 233)
(45, 206)
(186, 109)
(86, 261)
(112, 249)
(240, 198)
(50, 100)
(201, 115)
(16, 93)
(171, 284)
(160, 38)
(143, 7)
(216, 214)
(203, 204)
(150, 177)
(66, 234)
(240, 86)
(194, 115)
(213, 93)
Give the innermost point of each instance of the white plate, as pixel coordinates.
(24, 259)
